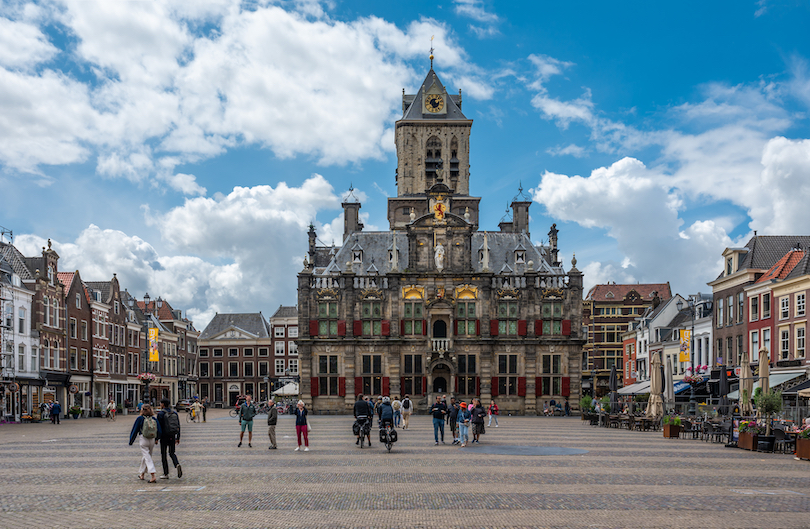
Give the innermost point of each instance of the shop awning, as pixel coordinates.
(638, 388)
(796, 389)
(775, 379)
(681, 386)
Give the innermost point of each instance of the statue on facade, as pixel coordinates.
(439, 257)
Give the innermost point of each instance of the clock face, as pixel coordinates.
(434, 103)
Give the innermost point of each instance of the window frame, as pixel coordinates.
(507, 317)
(411, 320)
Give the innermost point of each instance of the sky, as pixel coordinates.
(186, 146)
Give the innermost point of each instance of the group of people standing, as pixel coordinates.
(247, 411)
(461, 417)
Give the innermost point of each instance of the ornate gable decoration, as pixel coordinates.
(552, 293)
(413, 292)
(508, 293)
(371, 293)
(327, 293)
(466, 292)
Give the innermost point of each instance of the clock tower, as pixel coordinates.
(433, 147)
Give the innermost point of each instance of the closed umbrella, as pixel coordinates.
(669, 387)
(655, 406)
(764, 373)
(723, 390)
(746, 387)
(613, 385)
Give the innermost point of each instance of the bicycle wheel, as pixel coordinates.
(388, 443)
(188, 417)
(233, 413)
(362, 441)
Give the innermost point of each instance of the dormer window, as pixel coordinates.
(520, 257)
(357, 256)
(729, 266)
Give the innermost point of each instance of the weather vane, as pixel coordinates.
(431, 52)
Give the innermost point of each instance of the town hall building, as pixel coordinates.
(436, 306)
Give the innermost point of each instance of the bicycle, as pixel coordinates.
(234, 412)
(364, 429)
(388, 437)
(110, 415)
(191, 416)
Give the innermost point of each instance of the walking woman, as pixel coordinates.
(478, 413)
(147, 430)
(301, 426)
(463, 418)
(493, 413)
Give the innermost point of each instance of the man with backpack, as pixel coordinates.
(170, 436)
(407, 408)
(246, 413)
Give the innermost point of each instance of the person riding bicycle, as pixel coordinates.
(111, 408)
(385, 412)
(196, 409)
(361, 410)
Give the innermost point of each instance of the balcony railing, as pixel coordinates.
(440, 344)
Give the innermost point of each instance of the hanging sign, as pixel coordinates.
(153, 345)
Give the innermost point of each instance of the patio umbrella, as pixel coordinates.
(613, 385)
(746, 387)
(669, 387)
(764, 373)
(804, 393)
(723, 390)
(655, 406)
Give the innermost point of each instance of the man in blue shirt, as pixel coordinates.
(438, 410)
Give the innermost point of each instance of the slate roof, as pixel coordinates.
(254, 323)
(766, 250)
(783, 267)
(376, 244)
(414, 110)
(285, 312)
(16, 260)
(100, 286)
(619, 292)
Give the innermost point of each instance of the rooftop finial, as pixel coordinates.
(431, 52)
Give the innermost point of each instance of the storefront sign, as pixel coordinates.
(73, 389)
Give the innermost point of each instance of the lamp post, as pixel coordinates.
(146, 325)
(691, 305)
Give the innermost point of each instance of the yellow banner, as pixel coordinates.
(686, 337)
(153, 345)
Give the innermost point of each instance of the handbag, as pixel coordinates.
(309, 427)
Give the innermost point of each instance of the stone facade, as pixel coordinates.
(436, 306)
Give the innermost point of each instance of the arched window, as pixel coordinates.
(433, 155)
(55, 315)
(47, 303)
(46, 354)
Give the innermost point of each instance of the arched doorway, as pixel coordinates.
(441, 379)
(439, 329)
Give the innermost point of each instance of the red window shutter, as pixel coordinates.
(477, 385)
(478, 327)
(493, 327)
(521, 386)
(402, 327)
(566, 386)
(314, 386)
(566, 327)
(386, 386)
(456, 385)
(313, 327)
(341, 386)
(538, 386)
(424, 385)
(538, 327)
(358, 328)
(494, 389)
(455, 327)
(386, 328)
(424, 327)
(522, 331)
(358, 385)
(402, 386)
(341, 327)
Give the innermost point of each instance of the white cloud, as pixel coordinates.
(569, 150)
(23, 45)
(476, 10)
(546, 67)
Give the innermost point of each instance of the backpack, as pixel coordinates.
(406, 404)
(172, 424)
(149, 428)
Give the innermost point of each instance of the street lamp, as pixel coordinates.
(146, 300)
(679, 305)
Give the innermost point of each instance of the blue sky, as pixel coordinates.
(186, 146)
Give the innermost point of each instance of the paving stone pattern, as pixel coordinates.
(83, 474)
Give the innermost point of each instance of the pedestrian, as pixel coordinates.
(567, 408)
(407, 408)
(396, 404)
(272, 418)
(197, 408)
(371, 411)
(301, 426)
(545, 408)
(447, 407)
(56, 409)
(463, 419)
(439, 411)
(169, 423)
(147, 430)
(204, 406)
(478, 413)
(492, 411)
(246, 413)
(453, 414)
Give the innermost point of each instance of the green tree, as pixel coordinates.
(768, 404)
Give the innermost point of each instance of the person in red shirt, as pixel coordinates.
(492, 411)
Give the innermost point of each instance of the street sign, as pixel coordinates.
(737, 371)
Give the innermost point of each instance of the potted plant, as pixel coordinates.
(585, 405)
(672, 427)
(803, 443)
(750, 433)
(75, 411)
(605, 404)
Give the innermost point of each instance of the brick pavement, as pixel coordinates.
(83, 474)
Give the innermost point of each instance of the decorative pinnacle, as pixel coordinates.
(431, 52)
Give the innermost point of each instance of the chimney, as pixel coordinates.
(351, 214)
(520, 217)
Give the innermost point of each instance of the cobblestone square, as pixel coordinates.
(83, 474)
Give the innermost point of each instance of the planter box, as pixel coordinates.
(672, 431)
(803, 448)
(748, 441)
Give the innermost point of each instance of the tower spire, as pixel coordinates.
(431, 52)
